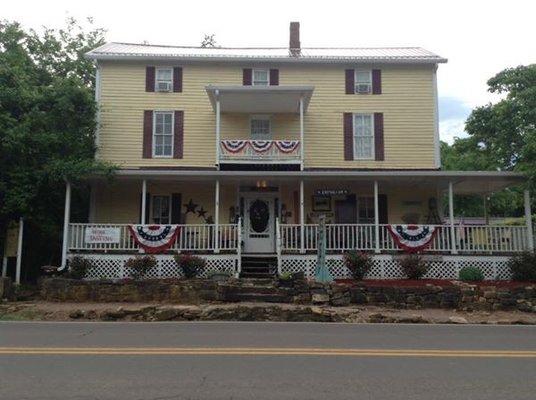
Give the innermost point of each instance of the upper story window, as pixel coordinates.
(163, 134)
(365, 210)
(363, 81)
(161, 210)
(261, 77)
(260, 127)
(164, 79)
(363, 137)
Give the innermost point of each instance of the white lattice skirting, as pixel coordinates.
(112, 266)
(388, 267)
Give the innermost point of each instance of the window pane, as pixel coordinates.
(260, 77)
(167, 151)
(362, 77)
(163, 74)
(167, 140)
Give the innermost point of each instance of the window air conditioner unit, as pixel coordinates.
(363, 88)
(164, 87)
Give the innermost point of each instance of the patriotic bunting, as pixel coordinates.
(412, 238)
(261, 146)
(234, 146)
(154, 238)
(287, 146)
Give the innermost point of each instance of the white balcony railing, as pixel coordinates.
(190, 238)
(260, 151)
(468, 238)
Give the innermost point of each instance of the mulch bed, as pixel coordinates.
(435, 282)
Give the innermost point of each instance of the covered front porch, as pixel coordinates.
(225, 216)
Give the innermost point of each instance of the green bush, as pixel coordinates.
(190, 265)
(414, 266)
(471, 274)
(138, 266)
(78, 267)
(523, 266)
(358, 263)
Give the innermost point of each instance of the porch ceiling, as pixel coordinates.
(260, 99)
(465, 182)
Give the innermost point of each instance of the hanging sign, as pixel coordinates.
(154, 238)
(412, 238)
(95, 235)
(331, 192)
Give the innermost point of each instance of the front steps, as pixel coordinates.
(258, 266)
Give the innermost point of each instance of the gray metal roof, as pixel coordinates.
(133, 51)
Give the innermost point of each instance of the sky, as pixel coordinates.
(479, 38)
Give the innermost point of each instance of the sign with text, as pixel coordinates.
(331, 192)
(102, 235)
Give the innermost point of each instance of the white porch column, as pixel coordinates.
(66, 218)
(528, 220)
(143, 201)
(302, 218)
(301, 133)
(4, 266)
(217, 217)
(451, 220)
(19, 251)
(376, 218)
(218, 125)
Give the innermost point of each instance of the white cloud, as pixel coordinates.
(451, 128)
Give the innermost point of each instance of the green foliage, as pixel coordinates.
(502, 136)
(414, 266)
(139, 266)
(358, 263)
(471, 274)
(285, 276)
(523, 266)
(47, 123)
(190, 265)
(78, 267)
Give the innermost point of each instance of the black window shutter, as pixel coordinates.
(376, 81)
(149, 79)
(176, 208)
(274, 77)
(177, 79)
(247, 76)
(348, 132)
(379, 151)
(350, 81)
(382, 209)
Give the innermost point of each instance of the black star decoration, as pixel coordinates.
(201, 212)
(190, 207)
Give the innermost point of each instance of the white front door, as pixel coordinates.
(259, 224)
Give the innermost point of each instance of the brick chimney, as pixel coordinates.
(294, 40)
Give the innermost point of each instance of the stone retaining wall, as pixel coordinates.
(458, 296)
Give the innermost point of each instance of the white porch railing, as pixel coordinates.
(190, 238)
(468, 239)
(249, 153)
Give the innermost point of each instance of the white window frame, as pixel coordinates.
(172, 134)
(156, 80)
(267, 76)
(360, 201)
(369, 71)
(264, 118)
(354, 136)
(152, 207)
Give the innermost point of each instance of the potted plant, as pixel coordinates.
(358, 263)
(190, 265)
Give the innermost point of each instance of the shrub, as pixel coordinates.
(78, 267)
(358, 262)
(138, 266)
(471, 274)
(190, 265)
(523, 266)
(414, 266)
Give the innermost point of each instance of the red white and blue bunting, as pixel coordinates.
(154, 238)
(261, 146)
(234, 146)
(412, 238)
(287, 146)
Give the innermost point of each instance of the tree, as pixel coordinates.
(502, 136)
(209, 41)
(47, 121)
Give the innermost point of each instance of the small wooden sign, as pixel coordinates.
(331, 192)
(102, 235)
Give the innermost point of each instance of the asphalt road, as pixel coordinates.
(211, 360)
